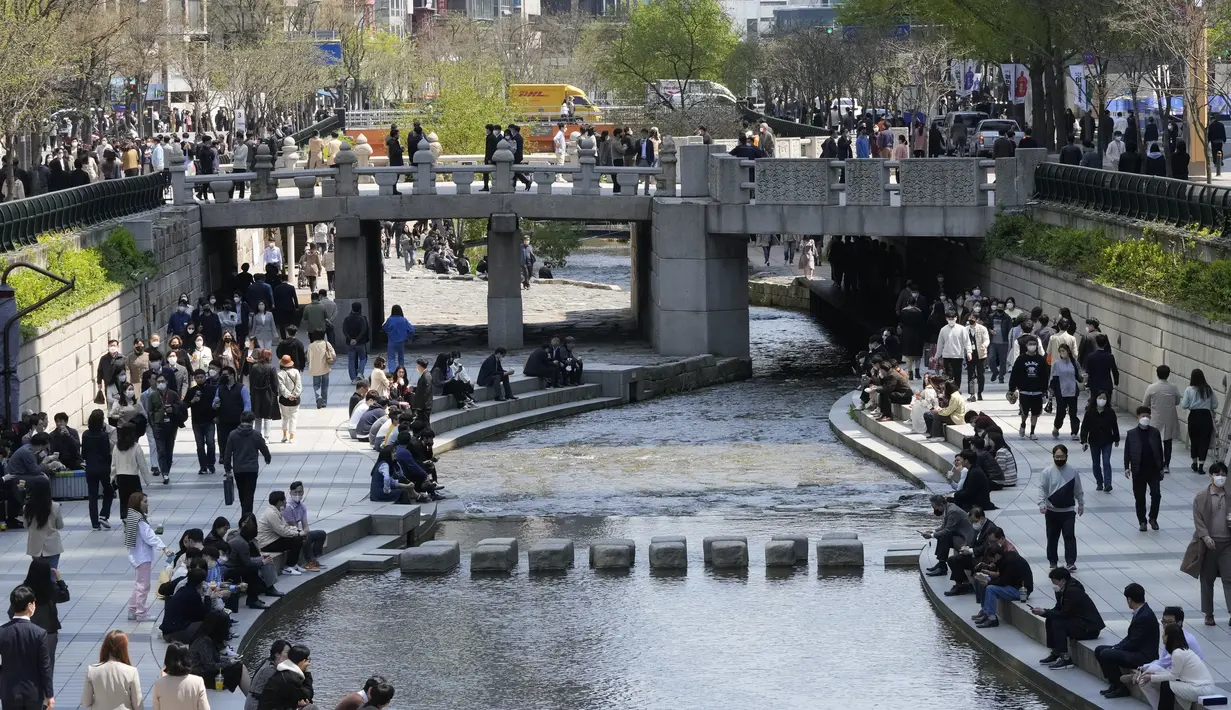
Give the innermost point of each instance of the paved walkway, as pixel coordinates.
(95, 565)
(1112, 552)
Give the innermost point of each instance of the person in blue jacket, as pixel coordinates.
(399, 331)
(180, 317)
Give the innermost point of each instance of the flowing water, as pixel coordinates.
(754, 458)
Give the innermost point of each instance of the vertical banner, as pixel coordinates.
(1017, 78)
(1081, 98)
(963, 76)
(8, 310)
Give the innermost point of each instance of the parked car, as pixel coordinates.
(970, 119)
(988, 131)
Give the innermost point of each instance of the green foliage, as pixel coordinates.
(682, 40)
(554, 241)
(470, 96)
(1159, 266)
(100, 271)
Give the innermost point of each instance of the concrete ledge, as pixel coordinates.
(780, 553)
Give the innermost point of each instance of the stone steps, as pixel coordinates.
(515, 420)
(451, 419)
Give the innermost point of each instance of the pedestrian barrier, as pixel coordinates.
(22, 221)
(1145, 197)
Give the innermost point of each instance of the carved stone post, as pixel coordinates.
(348, 181)
(181, 194)
(586, 182)
(425, 182)
(502, 180)
(665, 181)
(263, 187)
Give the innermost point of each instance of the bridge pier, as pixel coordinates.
(353, 278)
(504, 308)
(698, 285)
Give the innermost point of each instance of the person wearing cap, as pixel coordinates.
(290, 389)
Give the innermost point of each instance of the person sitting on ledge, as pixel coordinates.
(493, 374)
(186, 609)
(962, 561)
(274, 534)
(1137, 648)
(953, 412)
(361, 391)
(969, 482)
(290, 687)
(573, 366)
(1186, 677)
(545, 270)
(893, 387)
(1172, 615)
(481, 268)
(356, 700)
(375, 410)
(388, 485)
(954, 532)
(1006, 580)
(541, 365)
(369, 400)
(1074, 616)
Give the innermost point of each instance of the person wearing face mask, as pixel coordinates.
(1163, 399)
(1143, 462)
(892, 388)
(1061, 500)
(274, 534)
(155, 345)
(1100, 430)
(177, 324)
(1208, 556)
(201, 356)
(263, 328)
(913, 324)
(980, 339)
(137, 362)
(969, 482)
(1137, 648)
(1029, 380)
(1011, 310)
(200, 400)
(178, 379)
(1075, 617)
(209, 326)
(954, 346)
(296, 513)
(998, 341)
(953, 533)
(111, 362)
(1201, 402)
(1065, 378)
(165, 411)
(231, 402)
(229, 355)
(229, 318)
(962, 561)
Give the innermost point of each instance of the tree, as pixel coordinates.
(676, 40)
(267, 78)
(924, 65)
(554, 241)
(469, 96)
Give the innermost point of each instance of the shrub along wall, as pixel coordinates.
(1156, 307)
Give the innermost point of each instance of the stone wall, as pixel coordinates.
(1123, 228)
(794, 295)
(57, 366)
(1143, 333)
(688, 374)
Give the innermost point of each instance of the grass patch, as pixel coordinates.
(1156, 266)
(100, 271)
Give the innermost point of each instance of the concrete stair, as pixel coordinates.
(518, 419)
(450, 419)
(374, 525)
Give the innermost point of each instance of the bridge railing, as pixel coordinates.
(344, 177)
(1144, 197)
(22, 221)
(941, 182)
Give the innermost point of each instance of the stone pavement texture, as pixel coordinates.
(1112, 552)
(95, 565)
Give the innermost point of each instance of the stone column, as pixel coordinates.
(504, 318)
(698, 285)
(351, 279)
(288, 254)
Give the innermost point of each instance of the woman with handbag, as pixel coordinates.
(290, 389)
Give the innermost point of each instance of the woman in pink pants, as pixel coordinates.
(143, 547)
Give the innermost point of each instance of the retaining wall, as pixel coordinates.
(1143, 333)
(57, 366)
(794, 295)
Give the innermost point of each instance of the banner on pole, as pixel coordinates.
(1081, 99)
(1017, 77)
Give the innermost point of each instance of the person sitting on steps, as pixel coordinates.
(541, 365)
(493, 374)
(1137, 648)
(954, 532)
(1075, 617)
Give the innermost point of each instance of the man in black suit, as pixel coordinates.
(421, 400)
(25, 659)
(1138, 648)
(489, 149)
(645, 157)
(963, 560)
(519, 154)
(1143, 462)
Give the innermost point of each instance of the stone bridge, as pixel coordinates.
(689, 286)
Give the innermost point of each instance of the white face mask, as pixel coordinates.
(129, 393)
(162, 385)
(951, 320)
(1057, 587)
(200, 342)
(155, 343)
(1101, 402)
(1032, 349)
(113, 350)
(172, 360)
(1144, 422)
(1220, 481)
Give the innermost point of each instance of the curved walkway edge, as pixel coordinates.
(1111, 550)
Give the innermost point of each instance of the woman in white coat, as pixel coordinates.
(1188, 679)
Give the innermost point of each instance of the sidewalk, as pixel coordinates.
(1112, 552)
